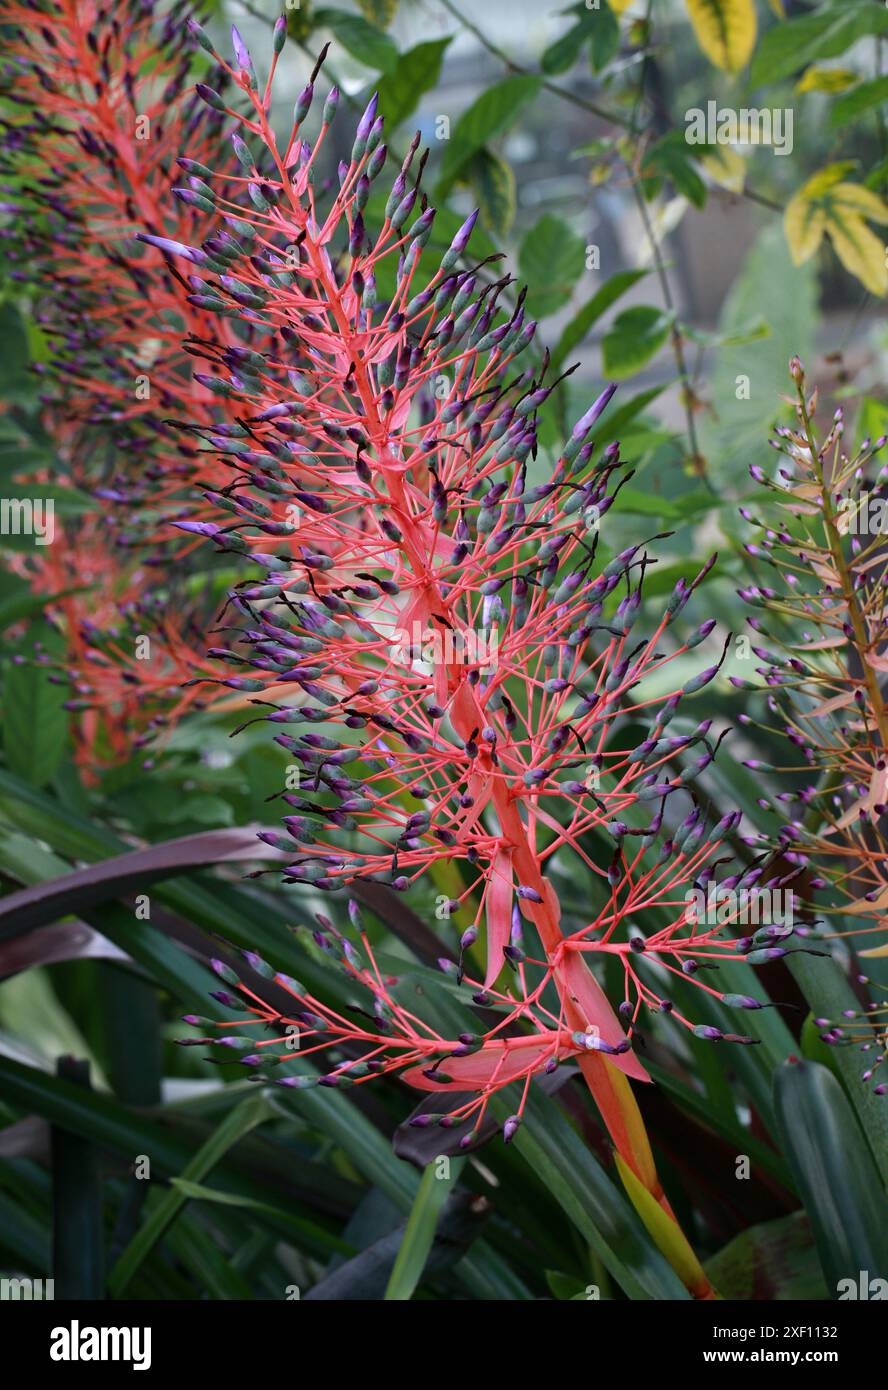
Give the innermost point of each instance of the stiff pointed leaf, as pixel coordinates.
(419, 1235)
(842, 1191)
(725, 30)
(249, 1113)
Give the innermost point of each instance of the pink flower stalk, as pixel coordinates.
(425, 499)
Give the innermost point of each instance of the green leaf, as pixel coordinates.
(252, 1111)
(493, 184)
(363, 40)
(867, 95)
(420, 1233)
(672, 158)
(604, 38)
(551, 260)
(415, 73)
(837, 1179)
(788, 47)
(592, 310)
(35, 724)
(633, 339)
(492, 113)
(561, 55)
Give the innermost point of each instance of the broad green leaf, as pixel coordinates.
(672, 158)
(415, 73)
(363, 40)
(592, 310)
(633, 339)
(561, 55)
(35, 724)
(788, 47)
(490, 114)
(493, 184)
(551, 261)
(604, 41)
(725, 30)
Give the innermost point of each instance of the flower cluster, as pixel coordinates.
(399, 422)
(823, 644)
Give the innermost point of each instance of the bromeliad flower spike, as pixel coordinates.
(467, 662)
(822, 630)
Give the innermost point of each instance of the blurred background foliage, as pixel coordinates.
(681, 271)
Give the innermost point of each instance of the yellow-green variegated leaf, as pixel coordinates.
(816, 79)
(861, 200)
(860, 250)
(618, 6)
(725, 30)
(380, 12)
(726, 167)
(804, 223)
(827, 205)
(826, 177)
